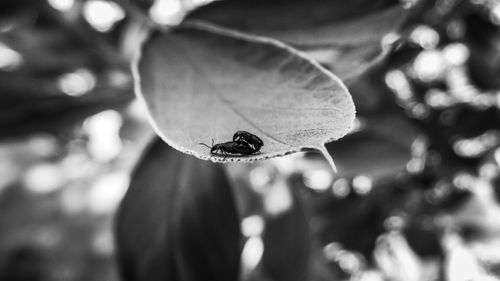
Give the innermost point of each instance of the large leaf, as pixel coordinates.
(312, 23)
(178, 221)
(201, 83)
(345, 36)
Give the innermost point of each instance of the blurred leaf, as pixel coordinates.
(369, 154)
(202, 83)
(332, 23)
(178, 220)
(27, 115)
(345, 36)
(348, 62)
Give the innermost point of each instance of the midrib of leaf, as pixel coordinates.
(200, 73)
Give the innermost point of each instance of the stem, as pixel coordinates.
(328, 157)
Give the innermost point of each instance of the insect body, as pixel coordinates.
(231, 147)
(244, 143)
(249, 138)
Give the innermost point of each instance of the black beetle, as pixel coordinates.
(231, 147)
(249, 138)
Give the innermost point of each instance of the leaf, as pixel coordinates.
(178, 220)
(201, 83)
(344, 36)
(313, 23)
(24, 115)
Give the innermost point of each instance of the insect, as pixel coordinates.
(231, 147)
(243, 143)
(253, 140)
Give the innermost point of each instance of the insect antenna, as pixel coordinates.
(205, 145)
(210, 147)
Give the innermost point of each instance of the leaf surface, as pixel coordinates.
(201, 83)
